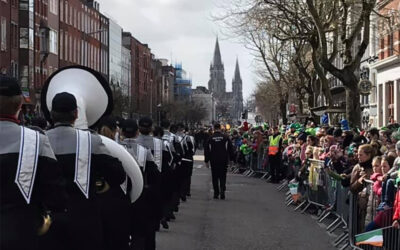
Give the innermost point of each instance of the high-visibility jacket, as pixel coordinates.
(274, 145)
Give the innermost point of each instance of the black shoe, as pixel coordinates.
(188, 195)
(170, 217)
(164, 223)
(183, 198)
(222, 196)
(216, 196)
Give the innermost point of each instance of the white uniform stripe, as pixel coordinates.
(158, 153)
(83, 161)
(27, 162)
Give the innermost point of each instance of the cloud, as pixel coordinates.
(181, 30)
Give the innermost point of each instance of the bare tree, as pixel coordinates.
(353, 21)
(330, 28)
(187, 112)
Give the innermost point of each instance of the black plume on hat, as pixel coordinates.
(63, 102)
(145, 122)
(9, 86)
(130, 126)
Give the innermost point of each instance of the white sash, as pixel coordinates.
(83, 160)
(27, 162)
(158, 153)
(141, 156)
(169, 151)
(192, 140)
(124, 185)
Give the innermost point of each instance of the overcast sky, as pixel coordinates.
(184, 31)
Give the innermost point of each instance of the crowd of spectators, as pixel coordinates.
(365, 161)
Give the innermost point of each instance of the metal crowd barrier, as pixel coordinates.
(257, 164)
(336, 202)
(359, 222)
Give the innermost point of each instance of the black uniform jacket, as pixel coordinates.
(19, 220)
(83, 215)
(218, 150)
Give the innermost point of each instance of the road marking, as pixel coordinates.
(198, 157)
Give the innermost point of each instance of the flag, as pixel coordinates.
(374, 238)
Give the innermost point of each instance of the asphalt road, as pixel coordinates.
(253, 216)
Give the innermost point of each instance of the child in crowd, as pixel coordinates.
(376, 177)
(388, 187)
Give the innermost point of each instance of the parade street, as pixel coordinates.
(253, 216)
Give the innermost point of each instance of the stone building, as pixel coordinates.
(203, 97)
(229, 105)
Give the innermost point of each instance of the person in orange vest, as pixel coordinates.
(275, 155)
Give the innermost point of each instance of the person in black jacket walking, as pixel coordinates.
(218, 152)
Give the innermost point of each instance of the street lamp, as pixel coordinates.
(159, 106)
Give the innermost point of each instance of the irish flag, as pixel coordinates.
(374, 238)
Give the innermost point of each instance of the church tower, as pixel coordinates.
(237, 89)
(217, 83)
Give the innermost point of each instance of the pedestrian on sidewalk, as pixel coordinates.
(218, 152)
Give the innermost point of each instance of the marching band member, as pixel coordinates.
(31, 183)
(114, 202)
(166, 176)
(187, 160)
(146, 210)
(85, 161)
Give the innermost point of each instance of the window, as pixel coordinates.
(14, 69)
(390, 44)
(390, 86)
(66, 12)
(70, 49)
(24, 38)
(70, 15)
(74, 17)
(14, 35)
(53, 6)
(66, 46)
(23, 4)
(53, 42)
(3, 36)
(62, 10)
(61, 44)
(79, 19)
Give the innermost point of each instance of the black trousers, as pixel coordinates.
(275, 167)
(218, 174)
(187, 179)
(115, 216)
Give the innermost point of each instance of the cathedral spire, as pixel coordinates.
(217, 55)
(237, 71)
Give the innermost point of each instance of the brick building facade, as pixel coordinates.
(83, 35)
(37, 37)
(386, 70)
(9, 37)
(140, 74)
